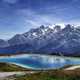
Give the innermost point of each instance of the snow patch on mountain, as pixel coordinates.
(51, 38)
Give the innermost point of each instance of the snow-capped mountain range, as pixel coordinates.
(47, 39)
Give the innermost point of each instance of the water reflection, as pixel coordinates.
(40, 61)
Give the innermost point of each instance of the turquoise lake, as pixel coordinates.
(39, 62)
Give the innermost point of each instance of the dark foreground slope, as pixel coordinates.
(6, 67)
(50, 75)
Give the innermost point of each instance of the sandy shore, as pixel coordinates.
(6, 74)
(73, 67)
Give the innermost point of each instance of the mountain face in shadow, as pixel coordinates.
(45, 40)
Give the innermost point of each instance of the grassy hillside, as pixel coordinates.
(6, 67)
(40, 75)
(52, 75)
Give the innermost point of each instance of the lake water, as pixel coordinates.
(40, 61)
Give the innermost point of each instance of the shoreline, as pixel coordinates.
(73, 67)
(37, 55)
(6, 74)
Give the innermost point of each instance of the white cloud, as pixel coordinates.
(33, 23)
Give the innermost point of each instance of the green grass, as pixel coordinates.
(40, 75)
(51, 75)
(6, 67)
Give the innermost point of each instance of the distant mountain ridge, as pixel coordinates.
(45, 39)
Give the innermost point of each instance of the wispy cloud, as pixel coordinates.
(27, 14)
(10, 1)
(34, 19)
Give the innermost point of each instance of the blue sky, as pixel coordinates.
(18, 16)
